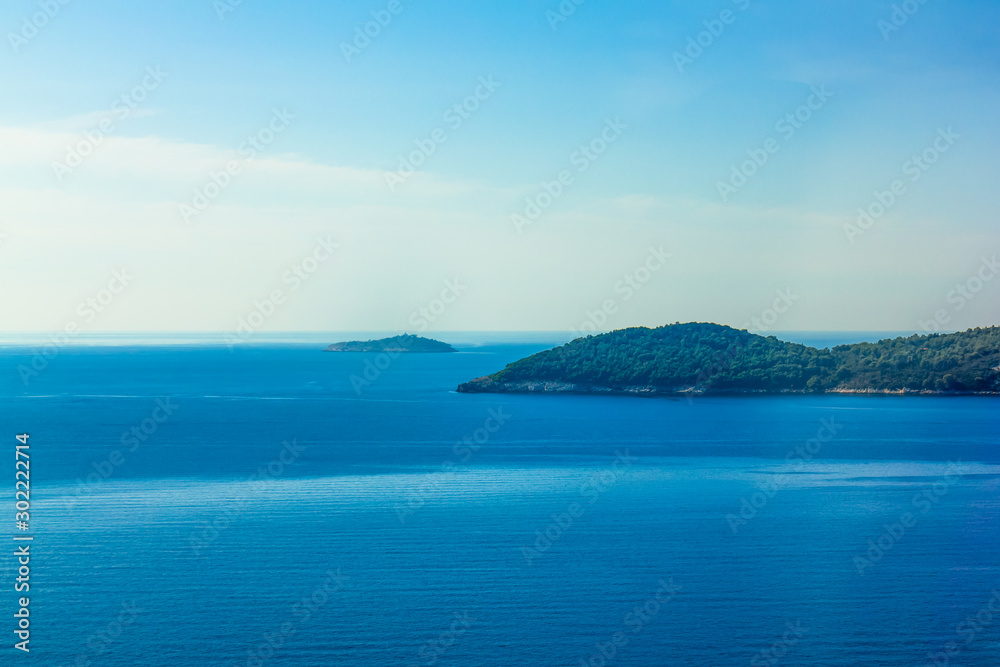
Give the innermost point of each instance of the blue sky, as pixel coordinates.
(656, 185)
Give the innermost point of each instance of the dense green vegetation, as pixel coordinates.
(404, 343)
(715, 358)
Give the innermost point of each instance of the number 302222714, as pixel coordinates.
(22, 476)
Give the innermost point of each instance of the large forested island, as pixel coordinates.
(404, 343)
(715, 359)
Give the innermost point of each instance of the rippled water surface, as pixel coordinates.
(266, 512)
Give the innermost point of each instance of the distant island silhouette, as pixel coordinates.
(403, 343)
(704, 358)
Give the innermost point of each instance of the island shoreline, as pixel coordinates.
(747, 393)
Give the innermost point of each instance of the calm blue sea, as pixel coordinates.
(196, 505)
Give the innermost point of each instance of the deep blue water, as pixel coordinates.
(745, 516)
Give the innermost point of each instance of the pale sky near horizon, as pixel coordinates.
(639, 232)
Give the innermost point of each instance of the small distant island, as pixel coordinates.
(404, 343)
(707, 358)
